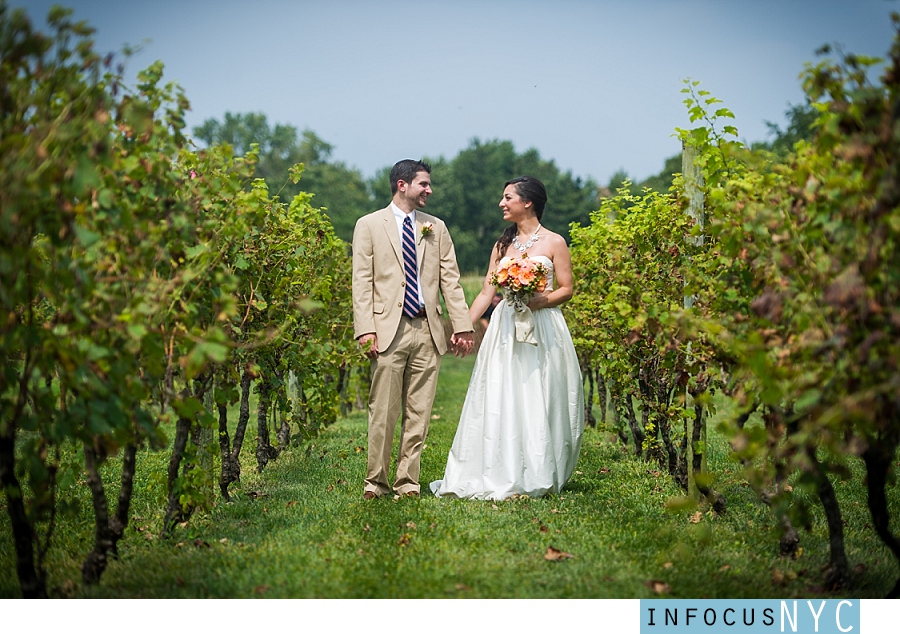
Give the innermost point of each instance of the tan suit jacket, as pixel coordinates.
(378, 278)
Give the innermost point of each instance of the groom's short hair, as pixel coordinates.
(406, 171)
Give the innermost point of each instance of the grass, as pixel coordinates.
(306, 532)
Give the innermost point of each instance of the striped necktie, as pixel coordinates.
(411, 299)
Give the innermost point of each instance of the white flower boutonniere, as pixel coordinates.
(427, 230)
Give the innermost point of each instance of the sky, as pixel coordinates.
(594, 86)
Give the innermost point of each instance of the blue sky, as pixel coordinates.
(593, 85)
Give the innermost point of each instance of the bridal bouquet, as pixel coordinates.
(519, 279)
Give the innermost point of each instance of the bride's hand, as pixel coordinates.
(539, 301)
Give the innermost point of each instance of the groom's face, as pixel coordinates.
(417, 191)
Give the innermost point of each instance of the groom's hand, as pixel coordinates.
(462, 343)
(369, 345)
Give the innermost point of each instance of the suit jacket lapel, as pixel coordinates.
(390, 227)
(420, 241)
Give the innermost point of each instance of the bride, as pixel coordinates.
(522, 420)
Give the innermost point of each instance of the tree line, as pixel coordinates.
(467, 186)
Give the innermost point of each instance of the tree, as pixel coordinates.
(468, 188)
(340, 191)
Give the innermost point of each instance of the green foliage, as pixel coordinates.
(629, 283)
(340, 191)
(797, 292)
(133, 274)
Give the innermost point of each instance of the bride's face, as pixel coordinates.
(514, 208)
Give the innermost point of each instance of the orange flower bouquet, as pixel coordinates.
(519, 279)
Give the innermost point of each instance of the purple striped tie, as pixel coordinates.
(411, 299)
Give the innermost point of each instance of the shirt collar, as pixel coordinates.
(401, 215)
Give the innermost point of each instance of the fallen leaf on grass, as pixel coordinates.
(604, 470)
(201, 543)
(655, 474)
(554, 554)
(224, 540)
(291, 503)
(435, 417)
(668, 565)
(358, 449)
(659, 587)
(411, 525)
(696, 517)
(360, 552)
(859, 568)
(261, 589)
(544, 529)
(781, 577)
(462, 587)
(367, 528)
(253, 495)
(495, 507)
(404, 540)
(724, 568)
(330, 487)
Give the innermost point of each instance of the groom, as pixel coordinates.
(402, 259)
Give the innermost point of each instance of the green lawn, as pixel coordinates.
(307, 532)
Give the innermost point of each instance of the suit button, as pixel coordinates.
(399, 304)
(402, 283)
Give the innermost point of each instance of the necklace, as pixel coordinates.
(521, 247)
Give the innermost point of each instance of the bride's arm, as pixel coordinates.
(486, 296)
(562, 266)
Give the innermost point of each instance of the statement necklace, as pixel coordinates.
(521, 247)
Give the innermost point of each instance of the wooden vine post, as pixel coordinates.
(693, 192)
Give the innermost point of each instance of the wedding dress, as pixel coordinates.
(523, 417)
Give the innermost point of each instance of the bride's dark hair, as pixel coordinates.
(530, 190)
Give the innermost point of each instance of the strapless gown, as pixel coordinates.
(522, 421)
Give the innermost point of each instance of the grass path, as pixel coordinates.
(302, 529)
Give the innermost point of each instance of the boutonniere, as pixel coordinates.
(427, 230)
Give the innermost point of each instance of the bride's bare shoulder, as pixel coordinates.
(555, 240)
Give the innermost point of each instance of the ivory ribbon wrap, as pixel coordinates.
(524, 319)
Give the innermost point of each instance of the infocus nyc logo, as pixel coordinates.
(750, 616)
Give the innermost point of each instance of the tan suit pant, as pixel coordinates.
(404, 378)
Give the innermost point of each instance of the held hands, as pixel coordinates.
(462, 343)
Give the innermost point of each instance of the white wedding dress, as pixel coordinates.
(523, 417)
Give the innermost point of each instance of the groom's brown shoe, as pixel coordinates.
(369, 495)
